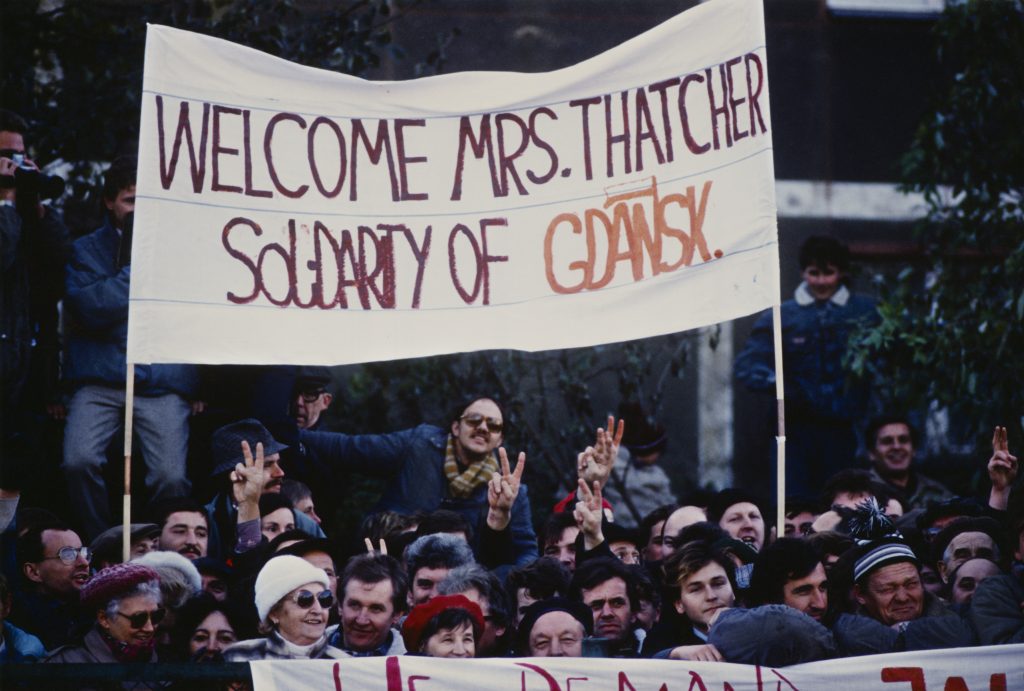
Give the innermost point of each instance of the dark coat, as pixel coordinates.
(97, 311)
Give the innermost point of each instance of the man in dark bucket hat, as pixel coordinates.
(246, 464)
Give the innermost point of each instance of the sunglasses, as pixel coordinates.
(476, 419)
(69, 555)
(305, 599)
(139, 619)
(311, 396)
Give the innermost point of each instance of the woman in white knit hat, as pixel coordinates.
(293, 602)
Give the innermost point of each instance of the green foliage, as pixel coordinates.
(952, 326)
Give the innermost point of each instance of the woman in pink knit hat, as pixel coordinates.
(126, 601)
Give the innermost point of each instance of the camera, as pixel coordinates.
(31, 182)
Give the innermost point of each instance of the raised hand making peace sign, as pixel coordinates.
(503, 489)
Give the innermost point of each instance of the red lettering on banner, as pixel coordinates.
(552, 682)
(996, 682)
(196, 159)
(268, 137)
(482, 260)
(696, 682)
(250, 190)
(363, 259)
(381, 146)
(337, 676)
(912, 675)
(629, 221)
(393, 674)
(788, 682)
(217, 149)
(404, 161)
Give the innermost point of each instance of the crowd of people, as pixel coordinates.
(449, 563)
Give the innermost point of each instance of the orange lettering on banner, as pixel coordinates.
(645, 240)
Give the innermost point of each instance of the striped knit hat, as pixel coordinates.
(878, 553)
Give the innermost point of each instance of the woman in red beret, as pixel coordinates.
(444, 626)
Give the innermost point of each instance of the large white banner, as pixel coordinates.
(287, 214)
(994, 668)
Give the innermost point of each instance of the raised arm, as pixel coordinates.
(503, 490)
(1002, 470)
(595, 463)
(247, 481)
(588, 513)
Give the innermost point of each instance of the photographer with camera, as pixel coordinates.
(34, 246)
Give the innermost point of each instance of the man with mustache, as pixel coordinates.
(184, 527)
(54, 566)
(246, 463)
(462, 468)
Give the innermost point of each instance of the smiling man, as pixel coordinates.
(789, 572)
(184, 527)
(431, 468)
(822, 406)
(887, 583)
(373, 596)
(891, 443)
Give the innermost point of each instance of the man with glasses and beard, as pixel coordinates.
(462, 468)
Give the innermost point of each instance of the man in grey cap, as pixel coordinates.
(106, 547)
(246, 462)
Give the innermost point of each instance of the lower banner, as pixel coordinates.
(993, 668)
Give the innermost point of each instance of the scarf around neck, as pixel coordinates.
(461, 484)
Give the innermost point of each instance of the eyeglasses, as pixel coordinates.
(304, 599)
(311, 396)
(139, 619)
(69, 555)
(476, 419)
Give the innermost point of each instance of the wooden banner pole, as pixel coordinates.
(780, 439)
(129, 404)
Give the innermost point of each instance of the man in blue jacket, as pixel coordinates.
(432, 468)
(822, 403)
(97, 280)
